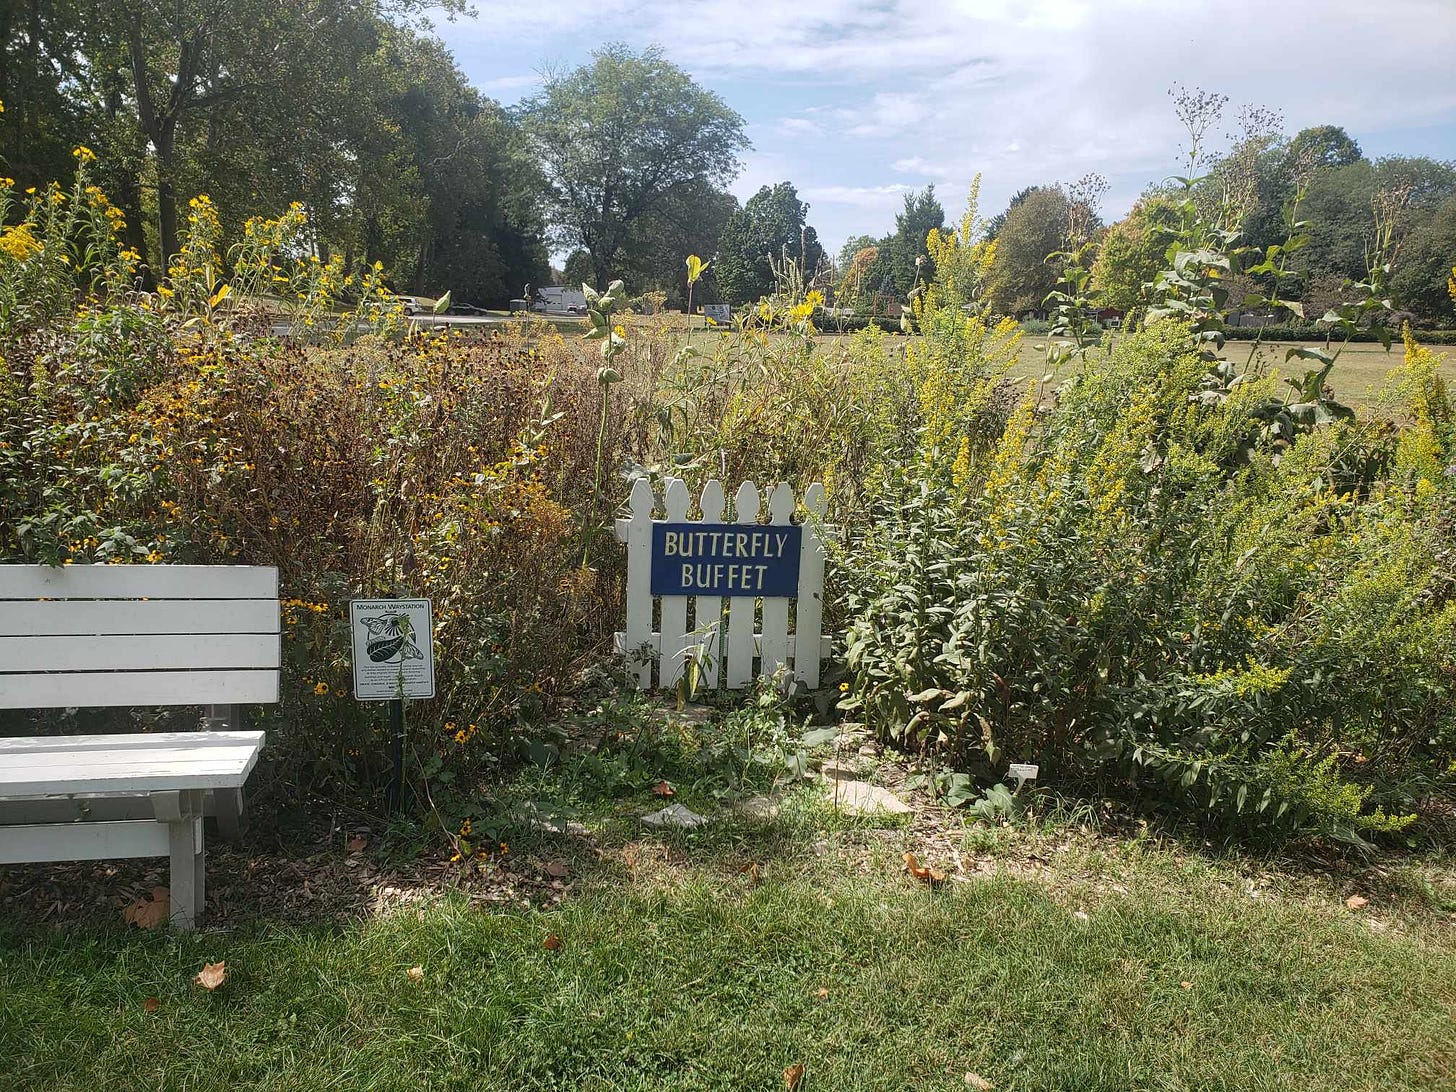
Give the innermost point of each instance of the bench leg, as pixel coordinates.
(227, 809)
(182, 812)
(188, 884)
(227, 804)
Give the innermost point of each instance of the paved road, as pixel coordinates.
(452, 322)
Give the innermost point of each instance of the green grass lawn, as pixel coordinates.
(1062, 960)
(1358, 375)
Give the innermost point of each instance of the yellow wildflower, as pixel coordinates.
(18, 243)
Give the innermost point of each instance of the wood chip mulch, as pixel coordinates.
(290, 885)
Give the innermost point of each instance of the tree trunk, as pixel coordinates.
(166, 203)
(160, 126)
(601, 267)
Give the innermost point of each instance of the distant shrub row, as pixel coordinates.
(831, 324)
(1317, 333)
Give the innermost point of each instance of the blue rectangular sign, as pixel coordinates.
(725, 559)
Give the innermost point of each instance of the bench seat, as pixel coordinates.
(167, 772)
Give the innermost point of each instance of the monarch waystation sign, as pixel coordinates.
(394, 649)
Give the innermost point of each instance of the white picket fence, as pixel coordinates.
(719, 633)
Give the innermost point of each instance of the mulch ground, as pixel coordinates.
(302, 877)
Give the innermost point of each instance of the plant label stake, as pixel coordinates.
(394, 659)
(1023, 772)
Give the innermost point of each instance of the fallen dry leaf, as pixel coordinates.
(793, 1076)
(416, 974)
(551, 943)
(822, 992)
(150, 1004)
(926, 873)
(753, 872)
(557, 869)
(662, 788)
(150, 913)
(1357, 902)
(1186, 985)
(357, 843)
(212, 975)
(978, 1082)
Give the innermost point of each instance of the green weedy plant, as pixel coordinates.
(613, 336)
(1125, 589)
(1074, 318)
(1206, 248)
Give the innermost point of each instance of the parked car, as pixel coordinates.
(409, 303)
(466, 309)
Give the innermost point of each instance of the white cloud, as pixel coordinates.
(796, 127)
(860, 197)
(502, 85)
(916, 165)
(1022, 91)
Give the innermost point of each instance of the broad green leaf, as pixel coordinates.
(818, 737)
(1306, 353)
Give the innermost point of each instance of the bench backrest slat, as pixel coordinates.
(117, 688)
(118, 635)
(140, 652)
(138, 582)
(80, 617)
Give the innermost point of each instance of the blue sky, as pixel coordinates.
(859, 101)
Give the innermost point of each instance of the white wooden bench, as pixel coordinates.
(132, 635)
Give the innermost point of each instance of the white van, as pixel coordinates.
(571, 301)
(409, 303)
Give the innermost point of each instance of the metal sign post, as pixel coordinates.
(394, 799)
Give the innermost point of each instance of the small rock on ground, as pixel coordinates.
(862, 798)
(758, 807)
(674, 815)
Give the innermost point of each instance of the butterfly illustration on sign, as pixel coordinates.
(391, 639)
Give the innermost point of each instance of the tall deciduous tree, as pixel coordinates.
(447, 194)
(1323, 146)
(204, 72)
(1133, 252)
(621, 138)
(690, 222)
(1031, 229)
(366, 121)
(1340, 208)
(1426, 257)
(771, 224)
(997, 222)
(43, 119)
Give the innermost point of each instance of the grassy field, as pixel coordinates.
(1358, 376)
(1054, 958)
